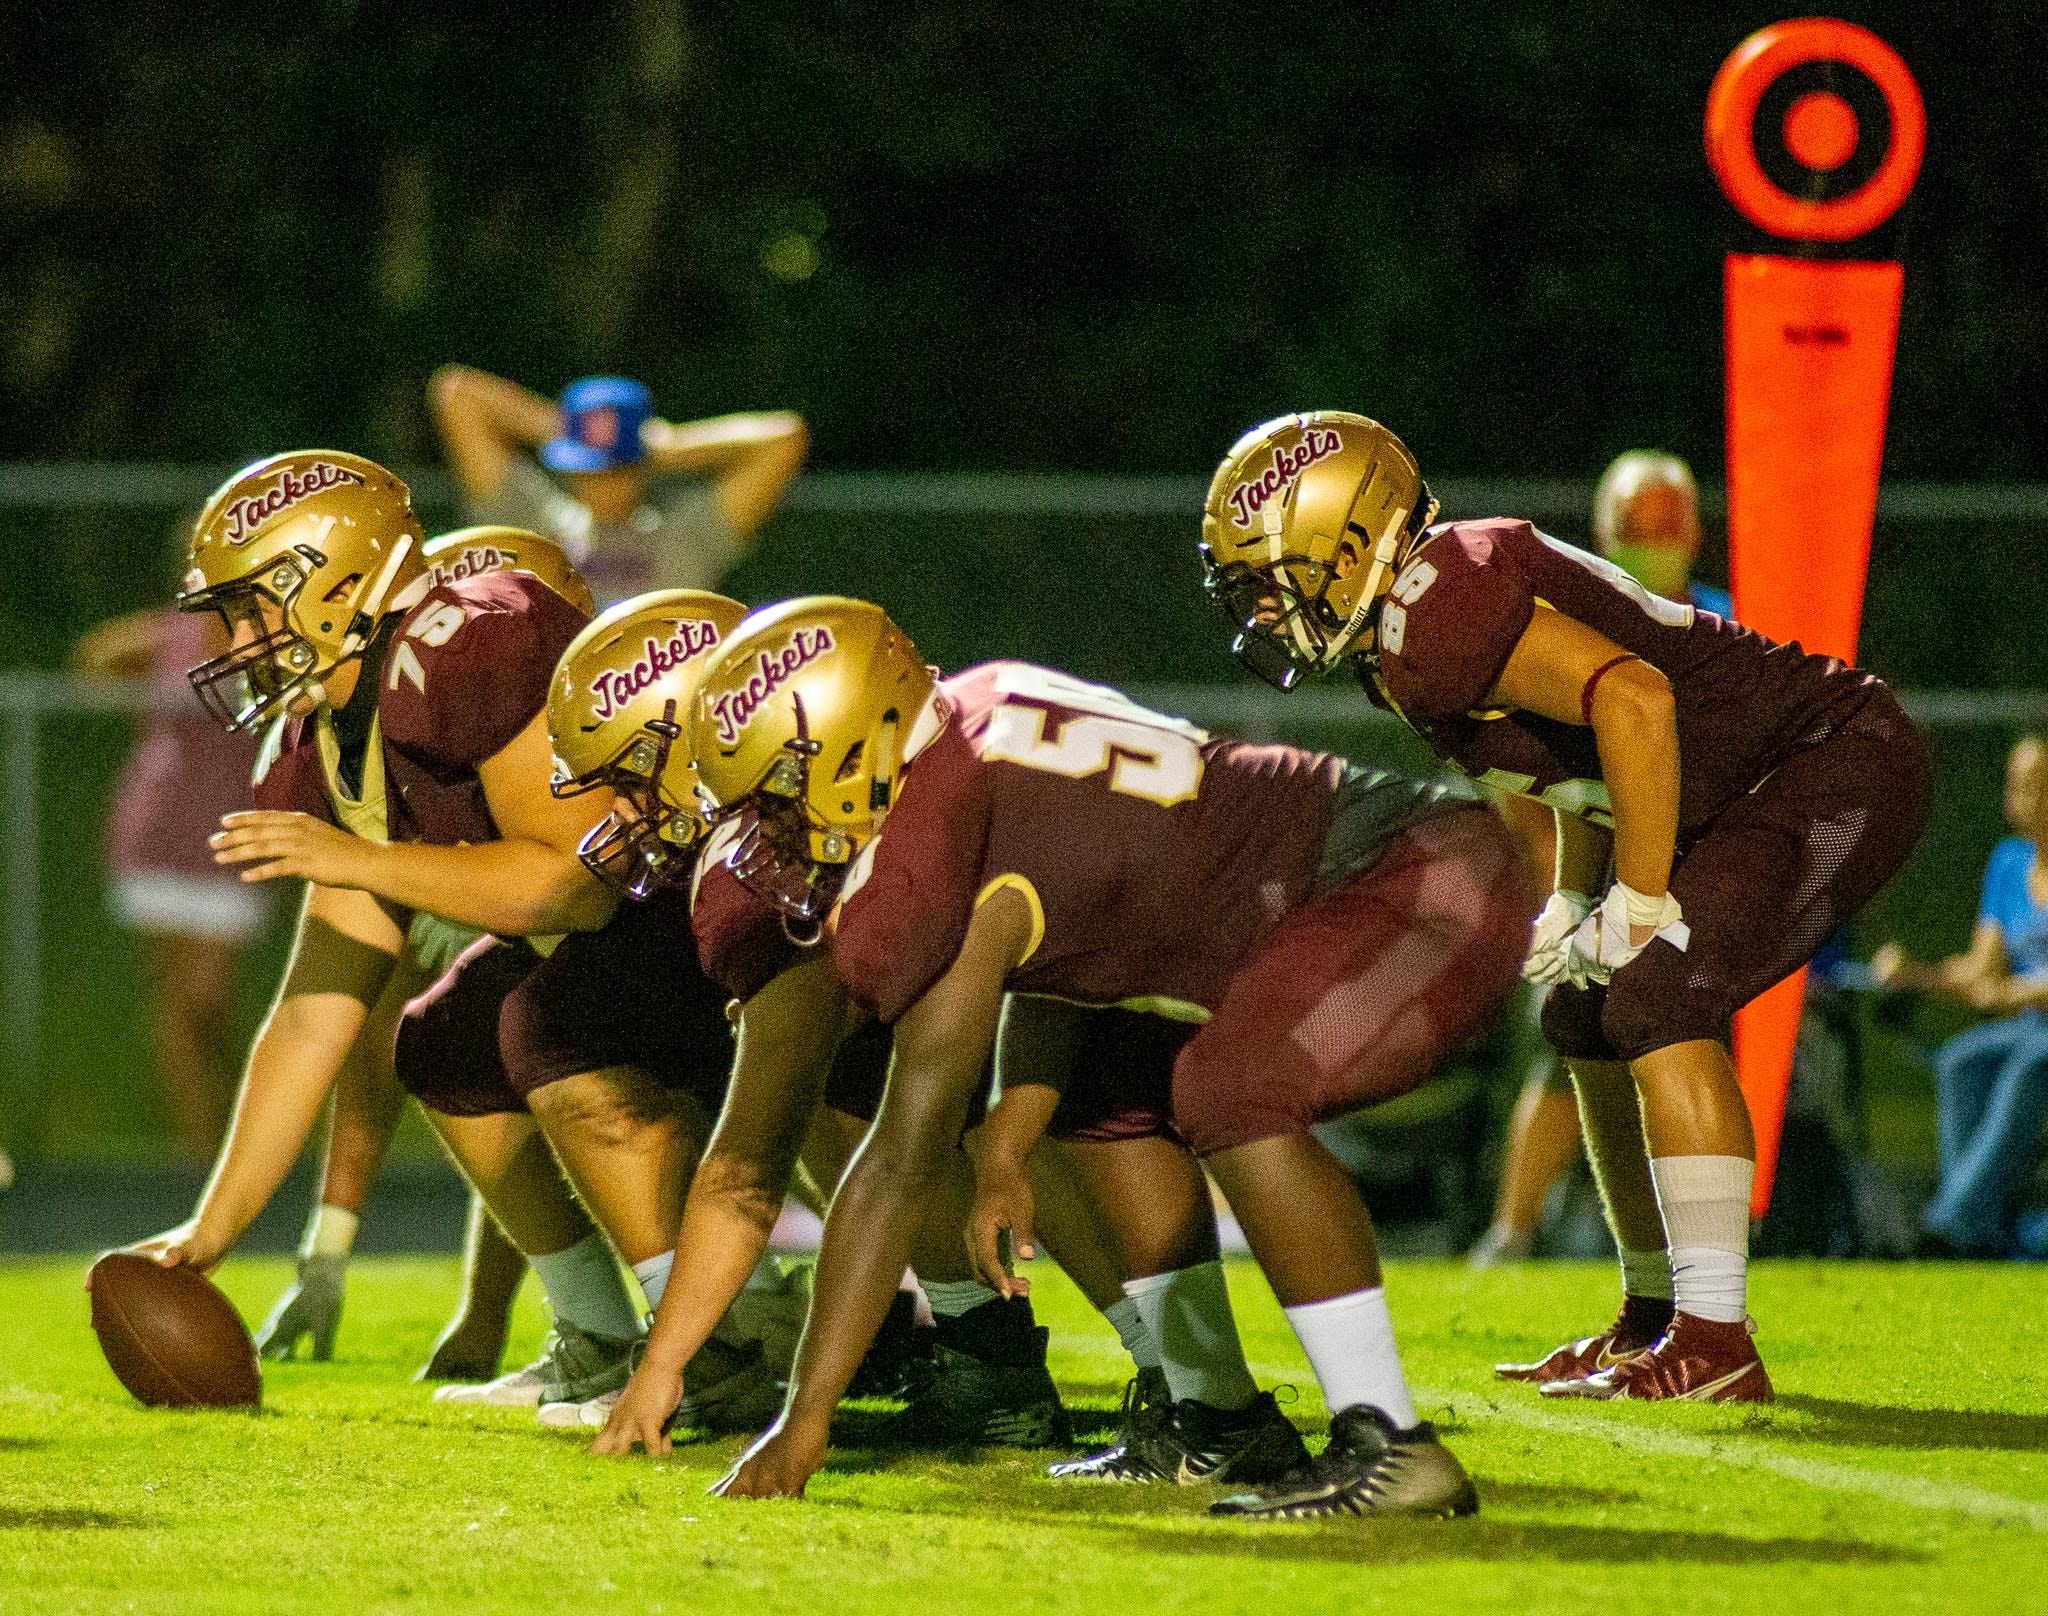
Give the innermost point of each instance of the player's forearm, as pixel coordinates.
(1015, 1124)
(1583, 849)
(711, 445)
(1635, 727)
(727, 1221)
(291, 1071)
(514, 887)
(867, 1244)
(514, 413)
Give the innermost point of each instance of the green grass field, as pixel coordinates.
(1904, 1467)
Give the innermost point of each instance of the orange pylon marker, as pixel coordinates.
(1809, 342)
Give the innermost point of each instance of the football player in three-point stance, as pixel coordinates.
(1010, 829)
(807, 1078)
(1722, 804)
(406, 779)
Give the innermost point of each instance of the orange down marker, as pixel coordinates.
(1809, 353)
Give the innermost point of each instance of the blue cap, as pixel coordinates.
(601, 421)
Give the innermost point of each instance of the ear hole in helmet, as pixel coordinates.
(850, 764)
(343, 590)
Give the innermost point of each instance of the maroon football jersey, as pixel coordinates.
(463, 672)
(1153, 857)
(1467, 591)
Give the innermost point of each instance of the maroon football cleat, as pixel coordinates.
(1642, 1320)
(1697, 1360)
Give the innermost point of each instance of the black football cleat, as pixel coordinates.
(956, 1398)
(1147, 1409)
(893, 1357)
(1369, 1468)
(1189, 1442)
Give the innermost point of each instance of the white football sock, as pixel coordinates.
(1129, 1324)
(1187, 1314)
(1705, 1202)
(952, 1297)
(584, 1289)
(653, 1276)
(1350, 1344)
(1646, 1274)
(767, 1276)
(330, 1232)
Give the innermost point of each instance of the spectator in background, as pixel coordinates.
(1991, 1083)
(196, 919)
(604, 441)
(1646, 520)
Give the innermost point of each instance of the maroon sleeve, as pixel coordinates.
(911, 893)
(288, 777)
(1452, 619)
(742, 944)
(470, 665)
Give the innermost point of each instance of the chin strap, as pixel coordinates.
(369, 604)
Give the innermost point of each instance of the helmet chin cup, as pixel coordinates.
(772, 860)
(632, 857)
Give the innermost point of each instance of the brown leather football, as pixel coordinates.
(171, 1338)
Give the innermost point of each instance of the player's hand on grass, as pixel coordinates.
(271, 845)
(309, 1310)
(1002, 1203)
(640, 1416)
(778, 1465)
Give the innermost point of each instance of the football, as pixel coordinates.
(170, 1337)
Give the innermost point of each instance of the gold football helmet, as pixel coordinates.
(1299, 533)
(802, 716)
(471, 550)
(616, 707)
(301, 554)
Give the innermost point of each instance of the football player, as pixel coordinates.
(1721, 803)
(801, 1073)
(1010, 829)
(368, 1097)
(406, 780)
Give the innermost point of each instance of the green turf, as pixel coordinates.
(1901, 1469)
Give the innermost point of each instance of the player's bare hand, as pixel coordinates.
(639, 1417)
(1002, 1202)
(187, 1246)
(779, 1465)
(271, 845)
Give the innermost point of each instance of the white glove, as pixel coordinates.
(1601, 945)
(1550, 939)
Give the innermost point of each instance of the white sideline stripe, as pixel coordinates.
(1917, 1492)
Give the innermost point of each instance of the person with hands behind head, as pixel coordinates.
(1013, 832)
(1722, 803)
(603, 440)
(1991, 1083)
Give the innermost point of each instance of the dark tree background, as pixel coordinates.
(961, 233)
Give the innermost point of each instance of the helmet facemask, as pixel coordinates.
(264, 667)
(790, 855)
(644, 845)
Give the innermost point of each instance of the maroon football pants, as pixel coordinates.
(503, 1022)
(1358, 996)
(1770, 879)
